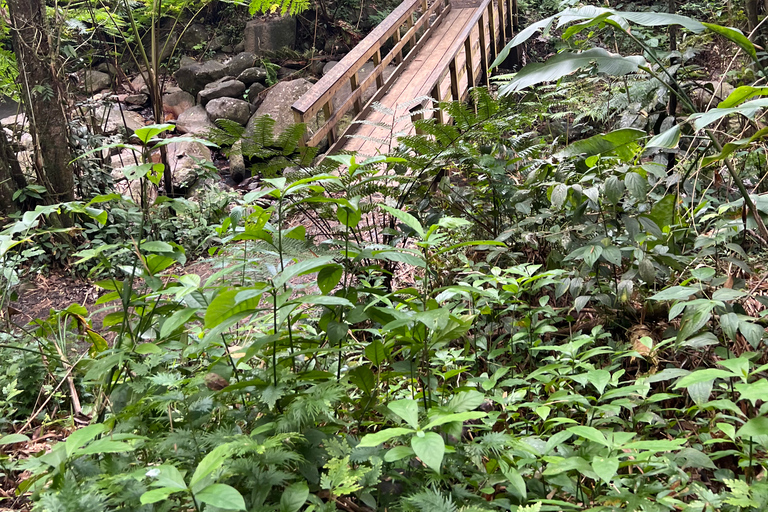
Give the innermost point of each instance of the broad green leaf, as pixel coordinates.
(747, 109)
(397, 453)
(621, 141)
(406, 218)
(667, 139)
(232, 302)
(166, 476)
(741, 94)
(726, 294)
(661, 445)
(375, 352)
(753, 428)
(590, 433)
(731, 147)
(383, 436)
(430, 448)
(702, 376)
(13, 438)
(465, 401)
(636, 185)
(700, 391)
(735, 36)
(156, 495)
(675, 293)
(753, 391)
(147, 133)
(304, 267)
(104, 446)
(459, 416)
(605, 468)
(568, 62)
(407, 409)
(82, 436)
(663, 211)
(210, 463)
(599, 379)
(176, 320)
(222, 496)
(328, 277)
(294, 496)
(515, 479)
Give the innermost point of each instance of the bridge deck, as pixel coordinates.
(461, 38)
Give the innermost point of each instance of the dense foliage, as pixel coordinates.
(534, 308)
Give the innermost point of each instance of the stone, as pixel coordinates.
(177, 102)
(239, 47)
(186, 60)
(139, 85)
(232, 109)
(95, 81)
(277, 104)
(316, 67)
(227, 49)
(240, 63)
(252, 75)
(703, 92)
(194, 78)
(253, 93)
(137, 99)
(218, 42)
(26, 141)
(237, 162)
(285, 72)
(181, 159)
(14, 121)
(107, 67)
(109, 118)
(194, 121)
(329, 66)
(225, 89)
(195, 35)
(269, 34)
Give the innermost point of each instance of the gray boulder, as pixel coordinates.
(229, 108)
(196, 34)
(253, 93)
(252, 75)
(112, 119)
(240, 63)
(277, 105)
(269, 34)
(178, 101)
(194, 78)
(194, 121)
(222, 89)
(137, 99)
(184, 169)
(95, 81)
(139, 85)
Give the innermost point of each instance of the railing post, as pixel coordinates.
(380, 76)
(396, 39)
(417, 113)
(502, 23)
(409, 25)
(454, 81)
(298, 118)
(515, 21)
(437, 97)
(469, 63)
(354, 84)
(483, 55)
(492, 31)
(328, 112)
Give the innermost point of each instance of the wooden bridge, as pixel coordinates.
(440, 50)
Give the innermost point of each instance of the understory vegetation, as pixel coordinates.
(557, 302)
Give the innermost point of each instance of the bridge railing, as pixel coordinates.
(404, 47)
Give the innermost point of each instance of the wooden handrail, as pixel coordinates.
(320, 96)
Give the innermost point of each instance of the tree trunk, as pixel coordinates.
(11, 177)
(43, 97)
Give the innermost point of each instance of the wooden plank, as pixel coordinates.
(483, 54)
(354, 85)
(492, 32)
(455, 93)
(328, 111)
(502, 24)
